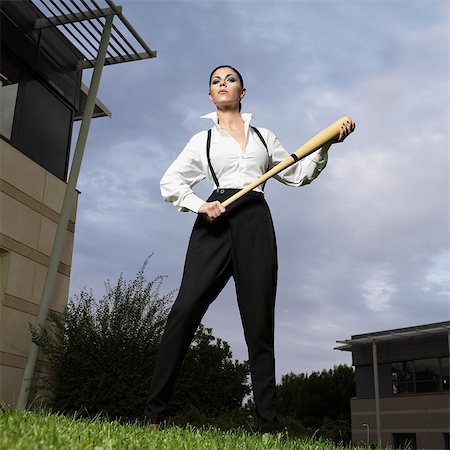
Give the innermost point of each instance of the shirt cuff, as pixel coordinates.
(192, 202)
(320, 156)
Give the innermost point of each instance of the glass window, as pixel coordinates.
(402, 377)
(427, 375)
(421, 375)
(8, 95)
(44, 129)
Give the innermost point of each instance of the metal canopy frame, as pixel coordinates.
(83, 21)
(90, 28)
(385, 336)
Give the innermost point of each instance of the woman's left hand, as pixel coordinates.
(346, 128)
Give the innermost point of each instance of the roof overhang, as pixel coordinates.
(82, 21)
(390, 335)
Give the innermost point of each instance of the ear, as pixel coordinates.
(243, 93)
(210, 96)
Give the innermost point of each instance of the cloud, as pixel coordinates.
(378, 290)
(437, 275)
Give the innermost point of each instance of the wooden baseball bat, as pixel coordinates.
(316, 142)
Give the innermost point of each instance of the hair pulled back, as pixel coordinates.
(234, 70)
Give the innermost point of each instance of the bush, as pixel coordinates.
(102, 355)
(336, 430)
(292, 426)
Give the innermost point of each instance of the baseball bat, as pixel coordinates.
(316, 142)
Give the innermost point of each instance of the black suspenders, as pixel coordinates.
(208, 146)
(260, 136)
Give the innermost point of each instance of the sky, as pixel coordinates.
(363, 248)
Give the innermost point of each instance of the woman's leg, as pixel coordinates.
(254, 256)
(207, 269)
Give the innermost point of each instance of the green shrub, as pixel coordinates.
(336, 430)
(102, 355)
(292, 426)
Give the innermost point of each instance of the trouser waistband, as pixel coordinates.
(224, 194)
(234, 191)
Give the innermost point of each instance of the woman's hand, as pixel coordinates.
(212, 209)
(346, 129)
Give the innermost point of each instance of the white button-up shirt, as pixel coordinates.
(235, 167)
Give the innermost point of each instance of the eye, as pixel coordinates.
(231, 79)
(215, 80)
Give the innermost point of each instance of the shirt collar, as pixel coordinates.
(246, 117)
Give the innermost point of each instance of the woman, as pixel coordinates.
(239, 242)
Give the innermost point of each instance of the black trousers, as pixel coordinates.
(240, 244)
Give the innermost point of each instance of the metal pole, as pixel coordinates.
(377, 391)
(59, 241)
(366, 425)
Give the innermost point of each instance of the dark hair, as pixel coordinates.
(234, 70)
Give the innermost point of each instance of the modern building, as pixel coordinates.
(44, 49)
(402, 387)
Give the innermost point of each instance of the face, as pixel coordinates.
(225, 88)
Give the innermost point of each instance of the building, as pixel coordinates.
(44, 49)
(402, 387)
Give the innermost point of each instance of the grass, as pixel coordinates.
(26, 430)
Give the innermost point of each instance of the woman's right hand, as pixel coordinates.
(212, 209)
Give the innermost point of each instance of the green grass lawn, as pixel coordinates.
(43, 430)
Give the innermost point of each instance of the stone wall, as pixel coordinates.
(30, 202)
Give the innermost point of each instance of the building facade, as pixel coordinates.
(402, 387)
(45, 46)
(41, 96)
(30, 201)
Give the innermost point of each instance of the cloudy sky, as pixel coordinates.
(363, 248)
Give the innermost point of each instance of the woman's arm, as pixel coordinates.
(183, 174)
(310, 167)
(300, 173)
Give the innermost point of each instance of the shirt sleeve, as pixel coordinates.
(183, 174)
(300, 173)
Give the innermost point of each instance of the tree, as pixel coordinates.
(319, 400)
(210, 380)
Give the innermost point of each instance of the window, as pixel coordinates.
(35, 117)
(403, 377)
(44, 129)
(427, 375)
(420, 375)
(404, 441)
